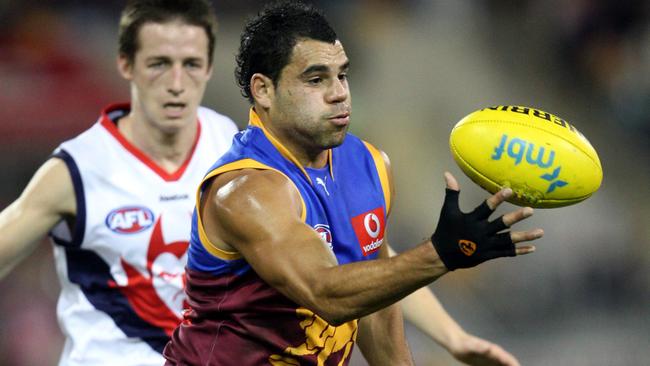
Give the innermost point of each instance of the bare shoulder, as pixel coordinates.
(249, 203)
(238, 187)
(48, 197)
(51, 188)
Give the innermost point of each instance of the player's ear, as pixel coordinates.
(210, 69)
(262, 90)
(125, 67)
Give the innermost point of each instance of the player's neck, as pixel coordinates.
(169, 149)
(302, 151)
(311, 159)
(307, 157)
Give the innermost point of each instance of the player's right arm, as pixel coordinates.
(48, 197)
(258, 214)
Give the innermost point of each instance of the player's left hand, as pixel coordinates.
(475, 351)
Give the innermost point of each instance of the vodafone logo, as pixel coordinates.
(129, 220)
(372, 225)
(369, 228)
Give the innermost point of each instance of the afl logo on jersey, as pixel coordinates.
(325, 234)
(130, 219)
(369, 228)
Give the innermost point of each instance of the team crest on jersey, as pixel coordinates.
(155, 292)
(369, 228)
(129, 219)
(325, 234)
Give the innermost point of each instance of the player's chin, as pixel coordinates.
(335, 140)
(173, 125)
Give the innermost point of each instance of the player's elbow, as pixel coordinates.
(337, 320)
(330, 307)
(319, 296)
(332, 315)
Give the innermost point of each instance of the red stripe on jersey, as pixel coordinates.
(111, 127)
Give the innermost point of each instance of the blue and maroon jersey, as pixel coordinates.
(234, 315)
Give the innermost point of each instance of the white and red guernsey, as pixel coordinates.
(121, 260)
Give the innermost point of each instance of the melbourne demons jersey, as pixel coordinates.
(237, 318)
(121, 266)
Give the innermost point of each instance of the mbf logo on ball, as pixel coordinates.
(517, 148)
(325, 234)
(369, 228)
(130, 219)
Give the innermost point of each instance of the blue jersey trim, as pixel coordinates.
(88, 270)
(80, 217)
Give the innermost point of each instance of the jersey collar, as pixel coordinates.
(254, 120)
(110, 126)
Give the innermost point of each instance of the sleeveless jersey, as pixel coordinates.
(234, 315)
(121, 268)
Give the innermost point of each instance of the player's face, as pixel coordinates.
(311, 106)
(169, 74)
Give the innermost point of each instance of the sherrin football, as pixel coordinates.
(545, 160)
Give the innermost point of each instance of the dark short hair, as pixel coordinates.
(268, 40)
(138, 12)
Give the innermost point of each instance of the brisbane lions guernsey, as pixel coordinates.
(121, 266)
(237, 318)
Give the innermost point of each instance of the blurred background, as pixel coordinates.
(417, 68)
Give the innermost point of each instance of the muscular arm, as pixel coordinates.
(48, 197)
(257, 213)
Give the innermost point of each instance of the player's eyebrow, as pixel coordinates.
(168, 58)
(345, 66)
(158, 58)
(318, 68)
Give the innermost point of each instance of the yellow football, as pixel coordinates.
(544, 159)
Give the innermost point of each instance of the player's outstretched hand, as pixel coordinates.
(465, 240)
(475, 351)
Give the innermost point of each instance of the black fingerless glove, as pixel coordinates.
(464, 240)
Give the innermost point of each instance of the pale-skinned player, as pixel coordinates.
(117, 199)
